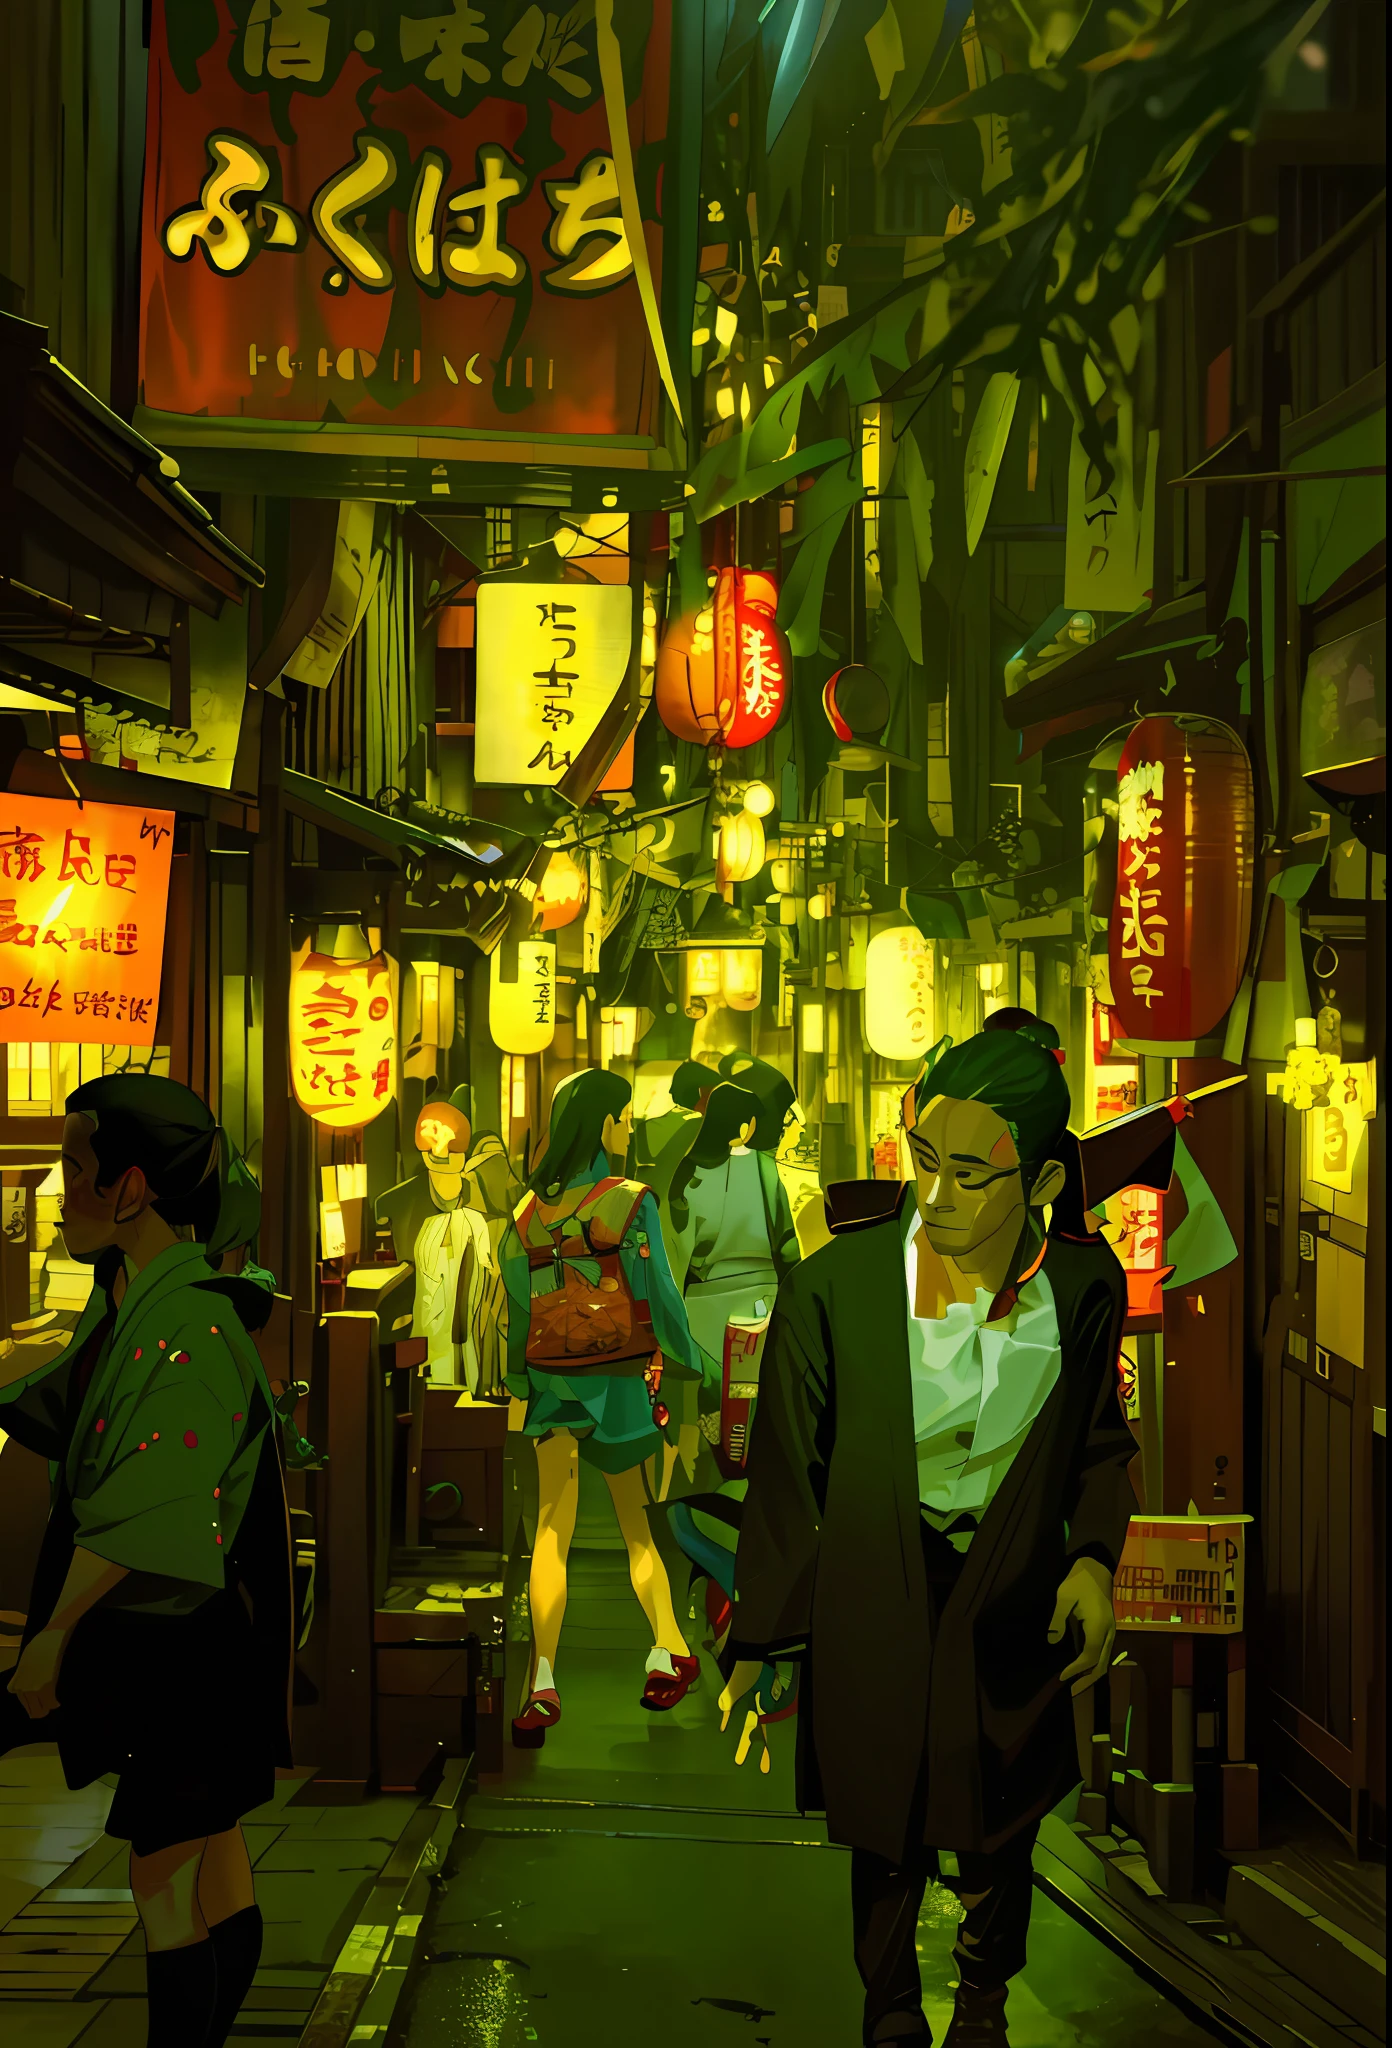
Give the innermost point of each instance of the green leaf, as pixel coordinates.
(986, 449)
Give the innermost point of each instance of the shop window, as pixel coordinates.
(40, 1077)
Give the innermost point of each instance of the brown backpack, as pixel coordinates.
(582, 1310)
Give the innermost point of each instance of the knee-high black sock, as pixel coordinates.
(236, 1943)
(181, 1989)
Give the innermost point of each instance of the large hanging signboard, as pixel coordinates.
(406, 212)
(1183, 905)
(551, 659)
(84, 891)
(1182, 1575)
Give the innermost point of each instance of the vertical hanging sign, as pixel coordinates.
(551, 659)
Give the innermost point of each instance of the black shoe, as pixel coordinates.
(978, 2020)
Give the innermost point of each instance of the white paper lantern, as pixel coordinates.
(522, 1013)
(899, 994)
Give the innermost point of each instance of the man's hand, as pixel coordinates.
(743, 1679)
(1087, 1594)
(35, 1680)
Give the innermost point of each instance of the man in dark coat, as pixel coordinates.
(938, 1493)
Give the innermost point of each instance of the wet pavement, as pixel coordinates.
(628, 1885)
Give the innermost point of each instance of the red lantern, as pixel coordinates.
(1183, 906)
(723, 672)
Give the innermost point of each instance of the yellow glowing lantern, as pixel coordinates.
(563, 892)
(742, 976)
(758, 799)
(741, 853)
(703, 977)
(899, 994)
(342, 1038)
(522, 1013)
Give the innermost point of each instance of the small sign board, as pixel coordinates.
(1181, 1575)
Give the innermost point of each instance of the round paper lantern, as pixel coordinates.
(759, 799)
(741, 848)
(723, 671)
(564, 888)
(899, 994)
(856, 702)
(522, 1013)
(1182, 911)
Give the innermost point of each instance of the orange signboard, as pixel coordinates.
(1181, 1575)
(84, 889)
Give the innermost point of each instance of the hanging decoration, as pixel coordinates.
(723, 672)
(522, 1013)
(343, 1038)
(856, 703)
(564, 889)
(1183, 905)
(899, 994)
(740, 852)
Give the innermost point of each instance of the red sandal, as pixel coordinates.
(662, 1693)
(542, 1711)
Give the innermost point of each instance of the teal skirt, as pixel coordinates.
(609, 1414)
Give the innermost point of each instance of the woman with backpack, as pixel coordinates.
(594, 1321)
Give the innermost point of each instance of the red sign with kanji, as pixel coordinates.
(387, 215)
(84, 890)
(1183, 907)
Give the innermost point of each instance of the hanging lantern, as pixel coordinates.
(564, 888)
(703, 978)
(742, 976)
(342, 1038)
(1183, 905)
(522, 1013)
(899, 994)
(723, 672)
(856, 703)
(741, 852)
(759, 799)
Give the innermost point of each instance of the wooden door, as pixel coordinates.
(1316, 1519)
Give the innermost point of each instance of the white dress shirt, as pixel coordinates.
(977, 1388)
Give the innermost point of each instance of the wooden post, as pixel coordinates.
(344, 1536)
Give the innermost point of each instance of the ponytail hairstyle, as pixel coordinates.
(580, 1107)
(728, 1111)
(199, 1183)
(1015, 1068)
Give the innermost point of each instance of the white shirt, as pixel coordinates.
(977, 1388)
(441, 1243)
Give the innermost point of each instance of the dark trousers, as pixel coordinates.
(990, 1946)
(886, 1898)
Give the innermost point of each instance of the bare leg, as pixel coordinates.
(225, 1883)
(646, 1571)
(558, 1474)
(166, 1889)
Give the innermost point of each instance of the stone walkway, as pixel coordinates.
(627, 1885)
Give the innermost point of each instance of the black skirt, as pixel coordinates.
(172, 1704)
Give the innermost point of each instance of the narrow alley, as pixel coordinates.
(626, 1886)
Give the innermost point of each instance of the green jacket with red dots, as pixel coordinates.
(161, 1452)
